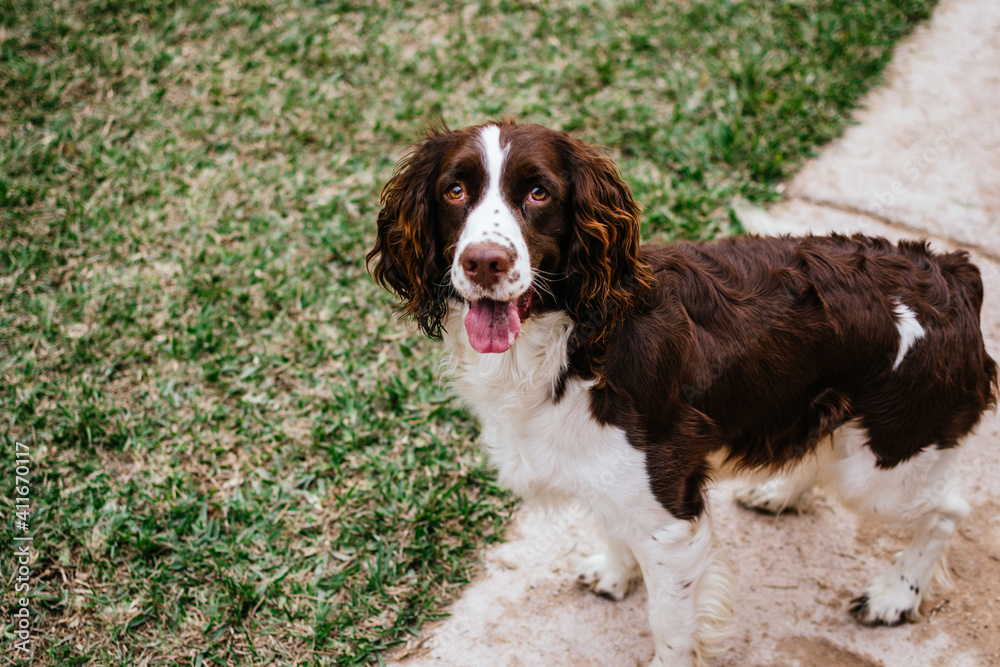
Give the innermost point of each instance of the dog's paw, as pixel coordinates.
(887, 603)
(774, 496)
(607, 577)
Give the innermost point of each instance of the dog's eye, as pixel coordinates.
(456, 192)
(538, 194)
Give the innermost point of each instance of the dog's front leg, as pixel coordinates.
(690, 592)
(611, 573)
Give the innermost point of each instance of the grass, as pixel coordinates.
(238, 456)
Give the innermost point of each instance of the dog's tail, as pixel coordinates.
(969, 277)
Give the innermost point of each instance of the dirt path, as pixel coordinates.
(923, 161)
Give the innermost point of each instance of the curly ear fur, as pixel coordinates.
(607, 279)
(406, 248)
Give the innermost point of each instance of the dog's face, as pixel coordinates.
(505, 219)
(512, 220)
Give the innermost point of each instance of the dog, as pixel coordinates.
(628, 376)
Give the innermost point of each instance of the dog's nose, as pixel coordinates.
(486, 263)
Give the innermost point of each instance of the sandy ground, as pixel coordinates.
(923, 161)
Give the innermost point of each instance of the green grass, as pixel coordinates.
(239, 457)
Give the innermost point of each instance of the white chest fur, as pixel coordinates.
(543, 450)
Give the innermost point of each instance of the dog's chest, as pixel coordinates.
(543, 449)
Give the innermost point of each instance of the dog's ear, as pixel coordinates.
(605, 275)
(407, 257)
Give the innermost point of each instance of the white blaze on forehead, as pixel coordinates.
(909, 329)
(493, 221)
(495, 155)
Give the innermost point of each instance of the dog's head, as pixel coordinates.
(513, 220)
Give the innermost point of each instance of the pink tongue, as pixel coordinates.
(492, 325)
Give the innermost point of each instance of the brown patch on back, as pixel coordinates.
(762, 346)
(822, 651)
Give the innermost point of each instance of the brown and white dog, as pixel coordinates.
(629, 376)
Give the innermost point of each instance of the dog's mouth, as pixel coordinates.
(493, 326)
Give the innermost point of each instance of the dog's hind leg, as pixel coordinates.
(894, 596)
(919, 493)
(791, 489)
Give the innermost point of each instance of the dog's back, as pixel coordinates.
(781, 340)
